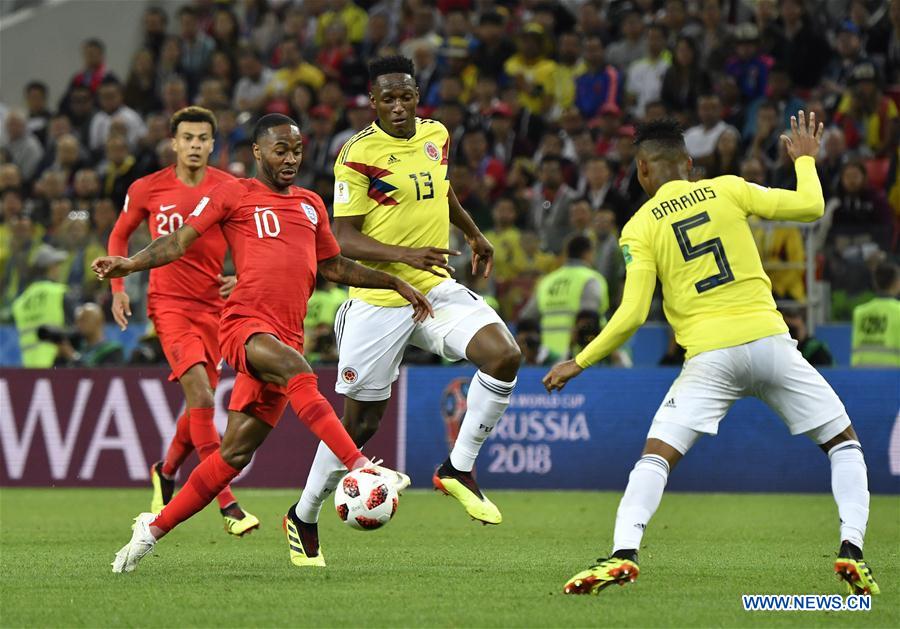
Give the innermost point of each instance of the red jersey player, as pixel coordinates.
(280, 237)
(184, 299)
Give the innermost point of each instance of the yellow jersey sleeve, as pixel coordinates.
(804, 204)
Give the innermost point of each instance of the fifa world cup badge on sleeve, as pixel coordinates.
(341, 192)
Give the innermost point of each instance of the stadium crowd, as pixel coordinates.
(540, 99)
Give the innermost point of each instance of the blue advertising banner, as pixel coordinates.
(589, 436)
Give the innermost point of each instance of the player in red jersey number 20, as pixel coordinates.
(184, 299)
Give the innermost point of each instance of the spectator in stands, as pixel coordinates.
(814, 350)
(38, 113)
(317, 157)
(506, 238)
(67, 158)
(560, 295)
(507, 144)
(551, 198)
(581, 219)
(528, 337)
(113, 107)
(15, 264)
(701, 139)
(41, 303)
(749, 67)
(766, 142)
(82, 248)
(196, 46)
(93, 74)
(725, 160)
(805, 52)
(831, 160)
(489, 170)
(632, 45)
(155, 23)
(493, 48)
(174, 96)
(868, 118)
(140, 91)
(599, 189)
(850, 54)
(781, 96)
(532, 72)
(91, 347)
(685, 80)
(858, 211)
(379, 34)
(470, 193)
(293, 70)
(645, 76)
(876, 324)
(226, 31)
(24, 148)
(608, 258)
(10, 178)
(569, 66)
(118, 170)
(600, 84)
(103, 218)
(250, 91)
(353, 18)
(168, 65)
(157, 131)
(86, 189)
(359, 115)
(714, 40)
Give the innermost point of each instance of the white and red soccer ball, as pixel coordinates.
(365, 500)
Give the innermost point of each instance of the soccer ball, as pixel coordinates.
(365, 500)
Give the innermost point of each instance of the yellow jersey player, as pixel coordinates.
(694, 237)
(393, 206)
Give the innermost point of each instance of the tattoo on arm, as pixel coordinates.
(161, 251)
(345, 271)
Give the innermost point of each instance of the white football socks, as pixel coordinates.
(642, 496)
(488, 398)
(850, 487)
(324, 475)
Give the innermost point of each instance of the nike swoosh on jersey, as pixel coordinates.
(166, 208)
(262, 209)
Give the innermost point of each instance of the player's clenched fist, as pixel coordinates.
(560, 374)
(112, 266)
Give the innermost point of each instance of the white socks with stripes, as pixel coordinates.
(850, 487)
(488, 398)
(642, 496)
(324, 475)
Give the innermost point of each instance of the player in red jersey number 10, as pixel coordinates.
(280, 236)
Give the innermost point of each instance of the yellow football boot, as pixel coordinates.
(602, 575)
(310, 539)
(462, 486)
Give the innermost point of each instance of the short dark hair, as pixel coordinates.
(267, 122)
(192, 114)
(95, 43)
(395, 64)
(187, 10)
(111, 80)
(885, 275)
(36, 85)
(664, 132)
(578, 246)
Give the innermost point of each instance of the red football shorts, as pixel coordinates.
(252, 396)
(188, 338)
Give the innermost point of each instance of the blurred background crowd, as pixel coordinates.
(540, 98)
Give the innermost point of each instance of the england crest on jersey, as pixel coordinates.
(311, 213)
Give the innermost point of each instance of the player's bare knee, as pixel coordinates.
(504, 364)
(236, 455)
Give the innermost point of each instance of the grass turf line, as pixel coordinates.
(433, 566)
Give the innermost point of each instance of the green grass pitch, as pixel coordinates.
(433, 566)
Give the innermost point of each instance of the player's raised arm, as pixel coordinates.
(345, 271)
(163, 250)
(357, 245)
(482, 249)
(806, 203)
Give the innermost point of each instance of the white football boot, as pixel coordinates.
(141, 543)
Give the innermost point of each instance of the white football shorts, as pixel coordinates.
(771, 369)
(371, 339)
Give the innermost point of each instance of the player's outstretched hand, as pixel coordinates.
(426, 258)
(421, 306)
(482, 252)
(560, 374)
(804, 139)
(112, 266)
(226, 285)
(121, 309)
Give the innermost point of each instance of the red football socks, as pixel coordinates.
(180, 447)
(208, 479)
(206, 440)
(315, 411)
